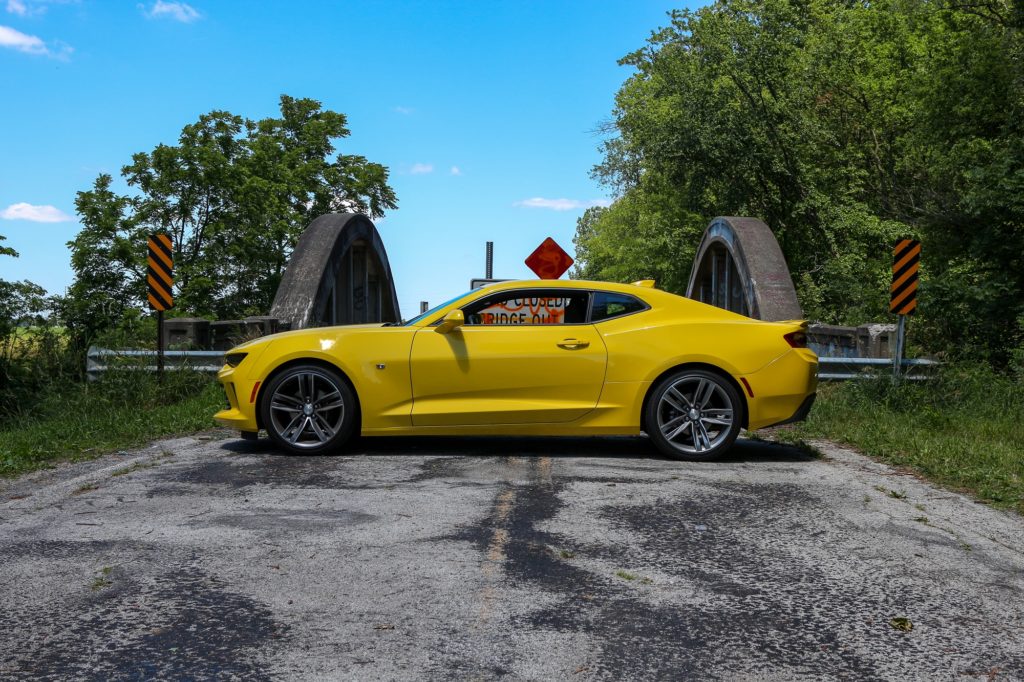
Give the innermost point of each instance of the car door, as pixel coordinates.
(521, 357)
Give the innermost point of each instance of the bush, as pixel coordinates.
(34, 354)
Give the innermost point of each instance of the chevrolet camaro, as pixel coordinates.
(539, 358)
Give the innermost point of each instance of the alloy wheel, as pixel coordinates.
(695, 414)
(307, 409)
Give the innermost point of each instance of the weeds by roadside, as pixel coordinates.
(963, 429)
(125, 409)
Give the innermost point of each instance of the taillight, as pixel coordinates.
(796, 339)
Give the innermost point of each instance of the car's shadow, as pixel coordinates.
(636, 448)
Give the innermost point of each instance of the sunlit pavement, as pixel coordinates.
(211, 557)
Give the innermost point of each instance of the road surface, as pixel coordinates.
(535, 559)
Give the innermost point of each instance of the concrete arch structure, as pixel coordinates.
(740, 267)
(338, 274)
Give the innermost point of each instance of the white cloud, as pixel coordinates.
(178, 11)
(35, 214)
(16, 40)
(32, 8)
(561, 204)
(421, 168)
(22, 42)
(456, 170)
(405, 110)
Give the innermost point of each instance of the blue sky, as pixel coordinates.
(485, 112)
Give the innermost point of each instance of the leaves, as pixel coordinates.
(6, 250)
(844, 126)
(901, 624)
(235, 194)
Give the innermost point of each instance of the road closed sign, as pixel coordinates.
(549, 260)
(518, 311)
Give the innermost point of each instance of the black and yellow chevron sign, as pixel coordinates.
(906, 258)
(160, 273)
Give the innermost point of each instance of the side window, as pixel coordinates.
(608, 305)
(529, 307)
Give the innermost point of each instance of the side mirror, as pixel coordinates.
(451, 321)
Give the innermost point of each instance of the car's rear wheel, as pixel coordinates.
(309, 409)
(693, 414)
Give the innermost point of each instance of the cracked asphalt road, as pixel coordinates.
(584, 559)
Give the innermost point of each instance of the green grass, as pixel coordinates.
(963, 429)
(102, 580)
(82, 421)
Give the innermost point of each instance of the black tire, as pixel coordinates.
(309, 410)
(694, 415)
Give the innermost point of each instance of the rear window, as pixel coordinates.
(607, 305)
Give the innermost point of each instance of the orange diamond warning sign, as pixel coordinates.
(549, 261)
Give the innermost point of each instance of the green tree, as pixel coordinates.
(30, 351)
(646, 234)
(844, 125)
(6, 250)
(235, 194)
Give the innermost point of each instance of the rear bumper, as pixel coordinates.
(801, 413)
(784, 390)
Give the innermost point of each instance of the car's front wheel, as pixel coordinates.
(309, 409)
(693, 414)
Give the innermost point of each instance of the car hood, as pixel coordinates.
(333, 332)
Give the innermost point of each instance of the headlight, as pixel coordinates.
(233, 359)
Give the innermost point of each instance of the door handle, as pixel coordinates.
(573, 344)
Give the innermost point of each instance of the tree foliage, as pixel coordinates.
(31, 356)
(6, 250)
(235, 194)
(844, 125)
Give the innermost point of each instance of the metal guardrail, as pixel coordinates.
(100, 360)
(841, 369)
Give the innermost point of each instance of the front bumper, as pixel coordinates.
(238, 414)
(235, 420)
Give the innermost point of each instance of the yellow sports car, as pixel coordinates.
(529, 358)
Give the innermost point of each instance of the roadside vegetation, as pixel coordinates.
(126, 409)
(964, 428)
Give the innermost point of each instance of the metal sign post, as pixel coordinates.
(906, 258)
(897, 354)
(160, 278)
(160, 345)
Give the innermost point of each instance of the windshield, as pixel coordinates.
(422, 316)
